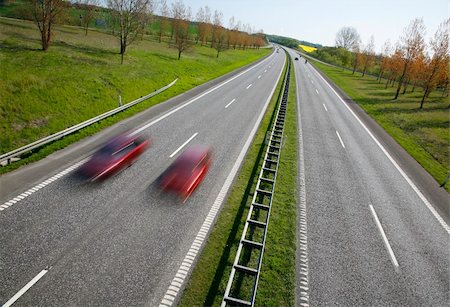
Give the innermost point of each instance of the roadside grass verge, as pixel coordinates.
(424, 134)
(80, 77)
(277, 280)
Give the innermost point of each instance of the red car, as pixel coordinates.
(187, 171)
(117, 154)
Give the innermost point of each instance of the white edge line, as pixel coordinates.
(25, 288)
(400, 170)
(184, 144)
(385, 239)
(325, 107)
(230, 103)
(226, 186)
(37, 187)
(196, 98)
(342, 143)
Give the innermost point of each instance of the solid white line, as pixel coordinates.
(399, 169)
(385, 239)
(192, 253)
(342, 143)
(325, 107)
(25, 288)
(249, 86)
(230, 103)
(195, 99)
(259, 77)
(184, 144)
(317, 92)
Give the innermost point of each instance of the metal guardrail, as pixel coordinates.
(248, 260)
(17, 152)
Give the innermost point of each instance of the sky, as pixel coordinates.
(317, 21)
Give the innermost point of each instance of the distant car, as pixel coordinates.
(117, 154)
(187, 171)
(296, 58)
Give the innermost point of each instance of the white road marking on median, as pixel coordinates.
(317, 92)
(259, 77)
(184, 144)
(249, 86)
(302, 239)
(385, 239)
(230, 103)
(325, 107)
(25, 288)
(399, 169)
(179, 278)
(39, 186)
(342, 143)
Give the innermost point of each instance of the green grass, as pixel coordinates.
(424, 134)
(80, 77)
(277, 281)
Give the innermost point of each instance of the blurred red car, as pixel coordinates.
(117, 154)
(187, 171)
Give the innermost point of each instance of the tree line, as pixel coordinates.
(411, 63)
(129, 20)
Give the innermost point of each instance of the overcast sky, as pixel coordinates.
(317, 21)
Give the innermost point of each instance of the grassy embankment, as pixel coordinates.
(80, 77)
(424, 134)
(277, 281)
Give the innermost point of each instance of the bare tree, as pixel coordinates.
(412, 43)
(368, 55)
(182, 14)
(163, 19)
(216, 25)
(347, 38)
(129, 15)
(220, 43)
(439, 62)
(89, 8)
(385, 55)
(45, 14)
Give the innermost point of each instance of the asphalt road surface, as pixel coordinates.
(372, 240)
(120, 242)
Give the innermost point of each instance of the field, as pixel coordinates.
(425, 134)
(308, 48)
(81, 76)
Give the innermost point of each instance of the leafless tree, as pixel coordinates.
(45, 14)
(412, 44)
(368, 55)
(182, 16)
(347, 38)
(130, 16)
(89, 8)
(164, 13)
(216, 26)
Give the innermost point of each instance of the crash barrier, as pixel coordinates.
(247, 263)
(8, 157)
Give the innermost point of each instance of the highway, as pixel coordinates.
(371, 238)
(64, 242)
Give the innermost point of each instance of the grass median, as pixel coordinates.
(277, 280)
(80, 77)
(423, 133)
